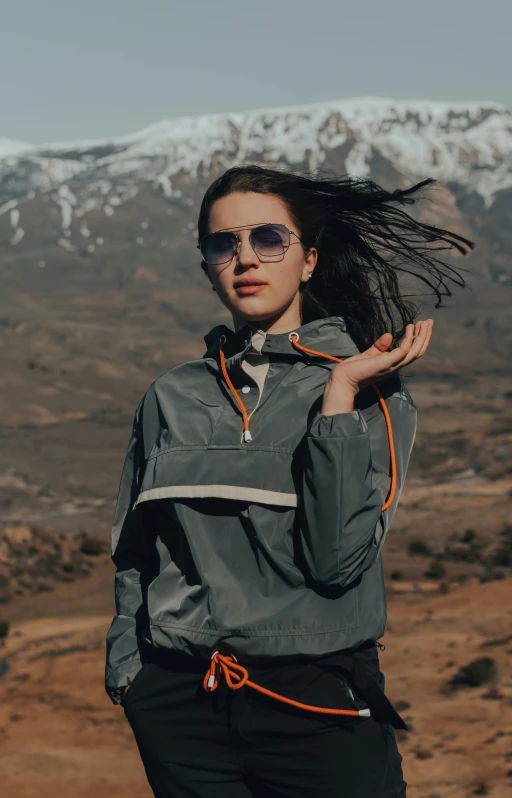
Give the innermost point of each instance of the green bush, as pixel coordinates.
(93, 545)
(418, 548)
(478, 672)
(436, 570)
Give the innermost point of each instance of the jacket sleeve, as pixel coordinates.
(128, 552)
(346, 479)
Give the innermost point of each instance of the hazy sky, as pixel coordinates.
(92, 68)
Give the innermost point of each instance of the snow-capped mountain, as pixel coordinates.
(466, 144)
(99, 271)
(9, 148)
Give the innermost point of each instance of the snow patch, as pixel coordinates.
(7, 206)
(65, 244)
(14, 218)
(66, 199)
(464, 143)
(18, 235)
(10, 148)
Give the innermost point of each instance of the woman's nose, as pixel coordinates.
(246, 254)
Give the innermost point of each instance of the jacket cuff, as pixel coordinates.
(338, 425)
(123, 675)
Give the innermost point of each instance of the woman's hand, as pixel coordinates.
(349, 377)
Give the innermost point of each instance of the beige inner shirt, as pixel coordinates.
(255, 364)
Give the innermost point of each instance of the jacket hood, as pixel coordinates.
(328, 335)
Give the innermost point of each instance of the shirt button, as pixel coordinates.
(246, 389)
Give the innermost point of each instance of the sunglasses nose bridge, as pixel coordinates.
(246, 253)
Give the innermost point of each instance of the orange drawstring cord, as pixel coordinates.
(384, 409)
(236, 676)
(248, 437)
(247, 434)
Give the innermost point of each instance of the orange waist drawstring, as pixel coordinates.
(248, 437)
(236, 676)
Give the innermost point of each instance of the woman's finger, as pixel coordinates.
(383, 363)
(429, 335)
(405, 344)
(420, 343)
(388, 362)
(415, 340)
(397, 355)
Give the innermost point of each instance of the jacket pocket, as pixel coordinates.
(350, 694)
(328, 689)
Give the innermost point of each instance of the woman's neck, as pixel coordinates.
(286, 322)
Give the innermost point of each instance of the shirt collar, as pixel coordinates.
(328, 335)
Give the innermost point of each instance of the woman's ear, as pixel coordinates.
(309, 264)
(311, 259)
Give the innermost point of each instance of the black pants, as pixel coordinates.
(241, 744)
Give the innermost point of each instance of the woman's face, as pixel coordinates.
(277, 304)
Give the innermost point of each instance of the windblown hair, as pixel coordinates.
(365, 242)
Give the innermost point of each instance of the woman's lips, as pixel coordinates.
(249, 289)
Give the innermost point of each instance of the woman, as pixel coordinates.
(257, 490)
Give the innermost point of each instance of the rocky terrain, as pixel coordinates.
(102, 292)
(447, 665)
(448, 563)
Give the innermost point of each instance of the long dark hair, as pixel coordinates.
(365, 241)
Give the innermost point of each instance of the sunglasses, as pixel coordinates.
(267, 240)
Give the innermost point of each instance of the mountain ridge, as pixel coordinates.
(118, 218)
(469, 144)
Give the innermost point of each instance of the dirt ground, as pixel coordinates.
(448, 566)
(61, 736)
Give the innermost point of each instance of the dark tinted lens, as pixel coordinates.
(217, 248)
(270, 239)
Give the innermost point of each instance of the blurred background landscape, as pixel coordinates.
(101, 292)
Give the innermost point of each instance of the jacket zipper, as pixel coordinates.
(260, 394)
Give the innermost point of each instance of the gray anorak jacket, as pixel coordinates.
(269, 548)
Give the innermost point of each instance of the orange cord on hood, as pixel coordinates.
(248, 437)
(236, 676)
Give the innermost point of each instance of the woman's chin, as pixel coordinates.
(256, 317)
(252, 307)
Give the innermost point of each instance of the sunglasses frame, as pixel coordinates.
(254, 226)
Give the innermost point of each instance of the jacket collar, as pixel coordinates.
(328, 335)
